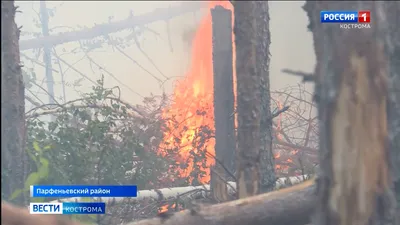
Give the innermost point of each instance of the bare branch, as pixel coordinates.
(284, 109)
(306, 76)
(33, 102)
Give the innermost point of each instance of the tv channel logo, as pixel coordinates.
(46, 208)
(345, 16)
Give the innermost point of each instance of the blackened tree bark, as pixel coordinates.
(12, 105)
(267, 162)
(252, 59)
(225, 141)
(355, 185)
(391, 18)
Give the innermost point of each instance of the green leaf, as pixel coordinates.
(44, 162)
(15, 194)
(47, 147)
(33, 178)
(43, 171)
(36, 146)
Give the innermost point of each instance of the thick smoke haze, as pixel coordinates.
(136, 75)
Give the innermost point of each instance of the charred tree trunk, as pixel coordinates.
(267, 162)
(225, 143)
(392, 14)
(252, 41)
(12, 105)
(355, 186)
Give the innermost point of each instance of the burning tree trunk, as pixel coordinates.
(12, 105)
(392, 13)
(225, 144)
(351, 91)
(252, 41)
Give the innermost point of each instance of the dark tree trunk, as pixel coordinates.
(355, 185)
(225, 143)
(267, 162)
(12, 106)
(392, 14)
(252, 59)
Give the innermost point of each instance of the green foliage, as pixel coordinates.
(102, 140)
(42, 165)
(94, 142)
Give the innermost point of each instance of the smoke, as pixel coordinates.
(168, 46)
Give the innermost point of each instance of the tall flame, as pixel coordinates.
(192, 94)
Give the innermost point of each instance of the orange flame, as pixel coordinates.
(165, 208)
(280, 137)
(193, 94)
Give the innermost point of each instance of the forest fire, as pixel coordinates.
(192, 106)
(192, 109)
(280, 167)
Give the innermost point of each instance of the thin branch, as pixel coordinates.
(135, 62)
(68, 105)
(62, 75)
(45, 91)
(36, 61)
(297, 147)
(35, 96)
(307, 77)
(63, 109)
(33, 102)
(213, 171)
(276, 114)
(109, 73)
(223, 166)
(74, 69)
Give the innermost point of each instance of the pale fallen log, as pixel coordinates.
(292, 205)
(112, 27)
(194, 191)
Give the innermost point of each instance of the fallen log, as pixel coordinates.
(292, 205)
(193, 191)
